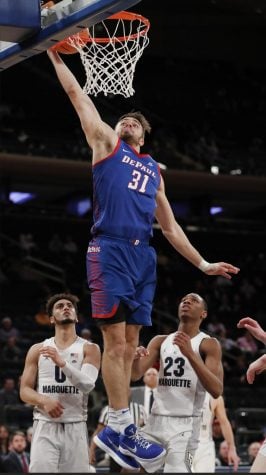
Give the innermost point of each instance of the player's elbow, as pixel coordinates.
(216, 391)
(136, 375)
(86, 388)
(23, 394)
(168, 232)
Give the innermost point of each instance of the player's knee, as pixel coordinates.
(131, 348)
(116, 349)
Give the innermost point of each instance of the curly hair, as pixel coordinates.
(52, 300)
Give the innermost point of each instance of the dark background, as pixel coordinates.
(201, 82)
(203, 74)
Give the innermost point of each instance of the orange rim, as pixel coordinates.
(85, 36)
(125, 16)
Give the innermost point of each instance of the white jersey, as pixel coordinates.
(179, 392)
(52, 382)
(206, 420)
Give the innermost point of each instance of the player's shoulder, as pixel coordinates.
(90, 347)
(158, 340)
(34, 350)
(37, 346)
(210, 342)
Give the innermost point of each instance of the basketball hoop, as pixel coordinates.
(109, 52)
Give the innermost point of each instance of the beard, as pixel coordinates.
(65, 321)
(127, 137)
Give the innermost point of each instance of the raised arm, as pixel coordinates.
(100, 136)
(226, 428)
(257, 367)
(28, 392)
(84, 379)
(176, 236)
(146, 358)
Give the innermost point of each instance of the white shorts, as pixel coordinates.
(174, 434)
(59, 448)
(204, 458)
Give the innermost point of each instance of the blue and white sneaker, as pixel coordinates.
(108, 440)
(133, 444)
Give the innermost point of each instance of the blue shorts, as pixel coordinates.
(124, 271)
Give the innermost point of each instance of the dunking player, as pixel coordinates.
(190, 365)
(257, 367)
(128, 193)
(63, 369)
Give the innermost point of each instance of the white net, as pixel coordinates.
(112, 52)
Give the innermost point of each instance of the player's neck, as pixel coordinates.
(189, 328)
(65, 337)
(135, 146)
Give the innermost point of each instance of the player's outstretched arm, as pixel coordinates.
(253, 327)
(257, 367)
(176, 236)
(100, 136)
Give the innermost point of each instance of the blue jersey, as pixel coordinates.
(125, 187)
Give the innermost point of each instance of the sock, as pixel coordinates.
(125, 418)
(113, 421)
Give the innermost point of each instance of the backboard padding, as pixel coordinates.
(84, 13)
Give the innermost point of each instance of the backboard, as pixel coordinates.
(64, 18)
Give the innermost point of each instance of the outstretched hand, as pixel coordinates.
(257, 367)
(253, 327)
(221, 268)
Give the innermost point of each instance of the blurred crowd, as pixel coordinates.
(214, 117)
(23, 321)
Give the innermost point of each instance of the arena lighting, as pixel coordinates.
(237, 171)
(18, 198)
(79, 206)
(216, 210)
(215, 170)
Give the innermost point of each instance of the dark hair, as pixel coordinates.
(52, 300)
(140, 118)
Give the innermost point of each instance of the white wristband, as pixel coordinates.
(203, 265)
